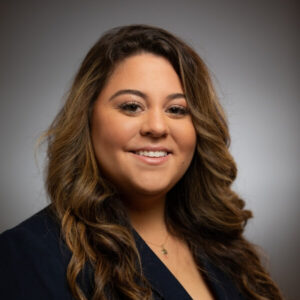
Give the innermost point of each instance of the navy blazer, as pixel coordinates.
(34, 259)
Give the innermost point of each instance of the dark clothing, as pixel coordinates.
(34, 259)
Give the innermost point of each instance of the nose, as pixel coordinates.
(154, 124)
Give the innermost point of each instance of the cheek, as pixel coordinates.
(110, 133)
(186, 139)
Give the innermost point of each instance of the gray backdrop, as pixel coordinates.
(252, 50)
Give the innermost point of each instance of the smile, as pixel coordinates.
(152, 153)
(153, 158)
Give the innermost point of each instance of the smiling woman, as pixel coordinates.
(139, 175)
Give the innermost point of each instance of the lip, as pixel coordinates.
(155, 161)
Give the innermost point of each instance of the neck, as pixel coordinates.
(147, 217)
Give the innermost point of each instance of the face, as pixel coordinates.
(142, 133)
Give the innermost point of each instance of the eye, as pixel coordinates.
(178, 110)
(130, 107)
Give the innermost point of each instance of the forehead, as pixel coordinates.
(144, 71)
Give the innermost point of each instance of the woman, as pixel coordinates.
(139, 176)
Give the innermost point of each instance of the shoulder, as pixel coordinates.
(33, 259)
(40, 234)
(37, 225)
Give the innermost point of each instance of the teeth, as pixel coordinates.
(152, 153)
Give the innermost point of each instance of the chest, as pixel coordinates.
(181, 264)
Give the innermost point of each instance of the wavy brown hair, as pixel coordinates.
(201, 208)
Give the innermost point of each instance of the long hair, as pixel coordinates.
(201, 208)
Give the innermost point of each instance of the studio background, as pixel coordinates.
(252, 49)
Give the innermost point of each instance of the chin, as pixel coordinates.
(151, 189)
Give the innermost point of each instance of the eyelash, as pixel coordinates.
(127, 107)
(131, 108)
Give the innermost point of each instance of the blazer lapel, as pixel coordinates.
(221, 284)
(163, 282)
(165, 285)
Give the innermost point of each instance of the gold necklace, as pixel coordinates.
(163, 249)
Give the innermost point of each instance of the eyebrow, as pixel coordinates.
(143, 95)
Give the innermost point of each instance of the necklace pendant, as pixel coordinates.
(164, 251)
